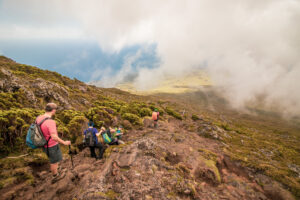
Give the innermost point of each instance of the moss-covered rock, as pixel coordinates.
(208, 171)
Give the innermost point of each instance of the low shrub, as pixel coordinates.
(173, 113)
(145, 112)
(195, 117)
(134, 119)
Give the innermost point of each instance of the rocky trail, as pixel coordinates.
(164, 163)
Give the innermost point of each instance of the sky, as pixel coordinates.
(250, 48)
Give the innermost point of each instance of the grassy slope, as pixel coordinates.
(261, 140)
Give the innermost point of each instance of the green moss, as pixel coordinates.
(195, 117)
(7, 182)
(212, 165)
(208, 154)
(112, 194)
(172, 195)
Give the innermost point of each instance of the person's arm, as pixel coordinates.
(97, 133)
(54, 135)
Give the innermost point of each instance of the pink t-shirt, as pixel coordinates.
(48, 126)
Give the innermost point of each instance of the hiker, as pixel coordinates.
(49, 131)
(91, 140)
(155, 117)
(119, 133)
(108, 137)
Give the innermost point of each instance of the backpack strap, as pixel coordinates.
(39, 124)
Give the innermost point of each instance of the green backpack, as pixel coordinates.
(106, 138)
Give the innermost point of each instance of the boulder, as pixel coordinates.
(208, 171)
(148, 122)
(126, 124)
(127, 159)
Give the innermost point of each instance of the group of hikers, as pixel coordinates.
(46, 127)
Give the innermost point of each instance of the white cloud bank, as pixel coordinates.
(250, 47)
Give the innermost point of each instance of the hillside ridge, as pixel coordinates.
(192, 155)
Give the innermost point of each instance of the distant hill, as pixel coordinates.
(181, 84)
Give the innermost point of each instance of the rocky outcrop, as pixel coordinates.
(33, 89)
(50, 90)
(11, 83)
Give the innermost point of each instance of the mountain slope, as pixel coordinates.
(196, 153)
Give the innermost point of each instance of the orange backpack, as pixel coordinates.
(155, 115)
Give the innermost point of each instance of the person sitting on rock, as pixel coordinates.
(155, 116)
(107, 135)
(49, 131)
(118, 134)
(91, 140)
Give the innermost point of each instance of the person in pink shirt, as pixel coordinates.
(53, 151)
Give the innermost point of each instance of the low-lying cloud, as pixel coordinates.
(250, 48)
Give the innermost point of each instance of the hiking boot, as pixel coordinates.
(60, 175)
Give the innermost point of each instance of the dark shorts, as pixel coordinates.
(55, 154)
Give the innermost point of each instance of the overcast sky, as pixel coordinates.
(249, 47)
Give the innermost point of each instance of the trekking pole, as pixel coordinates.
(70, 152)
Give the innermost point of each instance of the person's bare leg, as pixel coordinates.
(53, 168)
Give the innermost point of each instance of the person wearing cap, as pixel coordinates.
(49, 131)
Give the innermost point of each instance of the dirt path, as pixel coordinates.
(164, 163)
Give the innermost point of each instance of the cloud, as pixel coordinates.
(132, 63)
(251, 48)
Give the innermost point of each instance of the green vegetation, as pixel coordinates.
(266, 151)
(173, 113)
(134, 119)
(145, 112)
(195, 117)
(17, 170)
(12, 100)
(266, 144)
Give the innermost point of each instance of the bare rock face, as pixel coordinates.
(50, 90)
(35, 88)
(127, 159)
